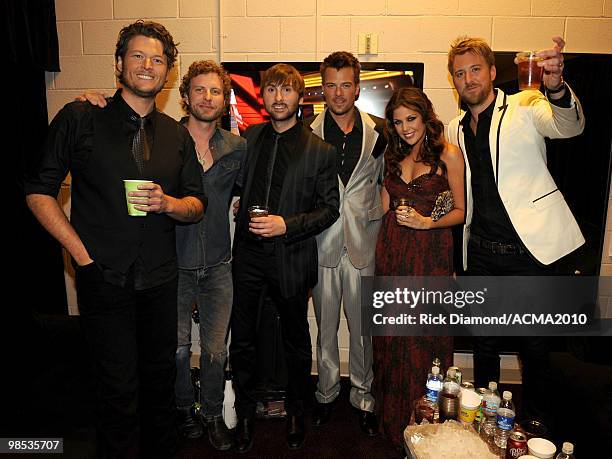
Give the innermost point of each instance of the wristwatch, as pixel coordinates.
(557, 90)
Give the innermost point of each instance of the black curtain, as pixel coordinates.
(32, 48)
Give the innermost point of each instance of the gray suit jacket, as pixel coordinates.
(360, 207)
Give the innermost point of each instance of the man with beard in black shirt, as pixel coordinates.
(126, 266)
(292, 173)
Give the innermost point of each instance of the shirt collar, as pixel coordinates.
(288, 135)
(129, 113)
(330, 122)
(486, 113)
(216, 143)
(216, 137)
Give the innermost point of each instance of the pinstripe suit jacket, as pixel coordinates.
(308, 203)
(360, 207)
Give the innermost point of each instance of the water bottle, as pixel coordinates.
(450, 384)
(505, 420)
(490, 403)
(567, 451)
(229, 411)
(434, 385)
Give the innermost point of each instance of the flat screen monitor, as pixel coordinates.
(378, 81)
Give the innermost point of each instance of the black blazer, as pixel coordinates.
(309, 203)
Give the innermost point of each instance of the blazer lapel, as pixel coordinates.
(254, 142)
(368, 140)
(496, 122)
(317, 125)
(318, 128)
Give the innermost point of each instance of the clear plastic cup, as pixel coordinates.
(529, 73)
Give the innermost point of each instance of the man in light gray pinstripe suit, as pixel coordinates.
(346, 249)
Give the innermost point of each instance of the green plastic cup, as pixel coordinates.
(132, 185)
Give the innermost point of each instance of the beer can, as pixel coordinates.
(517, 445)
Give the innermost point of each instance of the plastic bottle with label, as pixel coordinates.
(434, 385)
(450, 384)
(567, 451)
(505, 419)
(490, 403)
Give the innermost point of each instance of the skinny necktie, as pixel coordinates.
(271, 161)
(140, 146)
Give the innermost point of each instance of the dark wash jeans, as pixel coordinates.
(211, 289)
(132, 337)
(534, 351)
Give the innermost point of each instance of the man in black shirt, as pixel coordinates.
(292, 173)
(126, 267)
(517, 222)
(347, 248)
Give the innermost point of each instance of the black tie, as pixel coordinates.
(271, 160)
(140, 146)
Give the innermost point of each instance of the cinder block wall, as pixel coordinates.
(304, 30)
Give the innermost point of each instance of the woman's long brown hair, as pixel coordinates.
(432, 146)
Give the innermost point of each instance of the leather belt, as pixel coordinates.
(497, 248)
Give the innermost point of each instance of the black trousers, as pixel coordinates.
(534, 351)
(133, 339)
(255, 273)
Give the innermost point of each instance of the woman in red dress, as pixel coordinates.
(419, 166)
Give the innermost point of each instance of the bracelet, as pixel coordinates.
(557, 90)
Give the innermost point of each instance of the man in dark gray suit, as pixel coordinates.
(346, 249)
(292, 173)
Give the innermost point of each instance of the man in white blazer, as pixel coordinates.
(517, 221)
(346, 249)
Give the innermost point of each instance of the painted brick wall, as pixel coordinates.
(296, 30)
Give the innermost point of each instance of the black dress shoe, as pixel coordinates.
(219, 435)
(368, 423)
(244, 435)
(321, 414)
(188, 423)
(295, 432)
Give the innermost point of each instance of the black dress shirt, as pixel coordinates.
(138, 252)
(287, 142)
(348, 146)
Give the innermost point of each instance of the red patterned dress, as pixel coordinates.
(401, 364)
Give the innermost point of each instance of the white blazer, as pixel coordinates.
(536, 207)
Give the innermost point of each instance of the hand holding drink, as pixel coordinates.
(402, 207)
(545, 65)
(145, 196)
(265, 225)
(131, 192)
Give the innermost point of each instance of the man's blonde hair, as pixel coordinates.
(477, 46)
